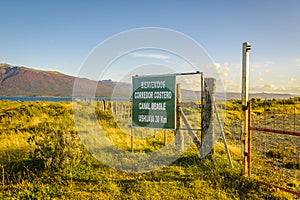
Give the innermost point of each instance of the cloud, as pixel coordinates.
(222, 70)
(267, 88)
(268, 70)
(298, 62)
(229, 83)
(217, 66)
(150, 55)
(291, 81)
(276, 89)
(222, 67)
(223, 74)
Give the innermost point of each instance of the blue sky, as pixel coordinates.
(59, 35)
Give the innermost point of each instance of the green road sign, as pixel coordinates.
(154, 101)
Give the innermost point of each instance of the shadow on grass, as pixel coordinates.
(16, 171)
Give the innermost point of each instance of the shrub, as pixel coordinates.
(56, 144)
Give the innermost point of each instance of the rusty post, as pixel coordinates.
(249, 139)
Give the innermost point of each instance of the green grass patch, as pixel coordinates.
(42, 158)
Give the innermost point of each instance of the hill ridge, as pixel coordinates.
(24, 81)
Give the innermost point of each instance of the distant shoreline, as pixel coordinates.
(228, 96)
(55, 99)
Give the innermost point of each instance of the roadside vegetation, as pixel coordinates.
(42, 157)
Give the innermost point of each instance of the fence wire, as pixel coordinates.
(276, 157)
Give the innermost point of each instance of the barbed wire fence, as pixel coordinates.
(275, 148)
(275, 156)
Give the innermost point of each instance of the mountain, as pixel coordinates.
(23, 81)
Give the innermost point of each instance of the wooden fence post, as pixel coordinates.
(207, 147)
(132, 139)
(104, 107)
(179, 139)
(165, 137)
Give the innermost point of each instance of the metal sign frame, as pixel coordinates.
(163, 111)
(154, 102)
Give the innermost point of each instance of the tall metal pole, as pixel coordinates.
(245, 98)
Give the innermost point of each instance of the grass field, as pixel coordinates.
(41, 157)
